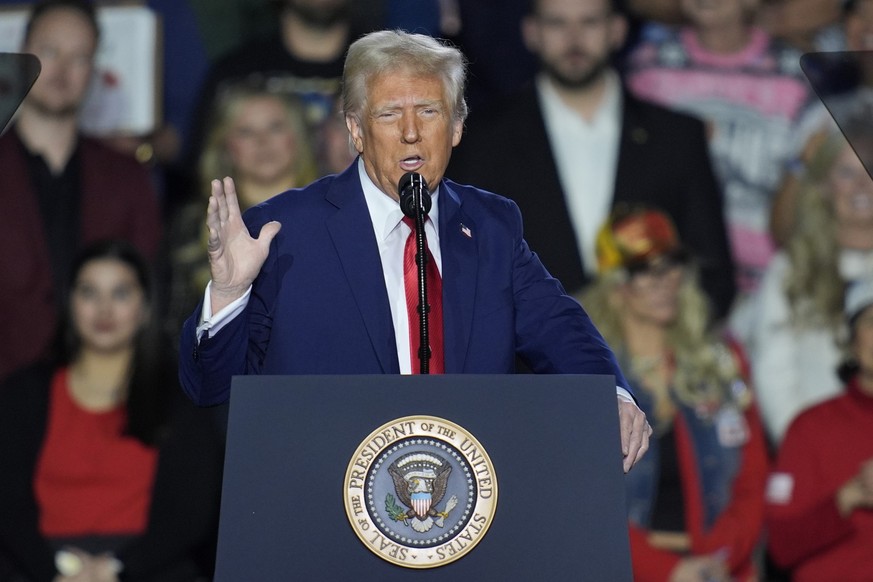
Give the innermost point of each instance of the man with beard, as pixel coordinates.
(574, 144)
(304, 59)
(61, 191)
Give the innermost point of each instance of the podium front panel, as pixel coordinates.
(553, 441)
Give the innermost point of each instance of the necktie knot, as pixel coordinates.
(410, 222)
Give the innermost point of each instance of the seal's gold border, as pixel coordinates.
(354, 491)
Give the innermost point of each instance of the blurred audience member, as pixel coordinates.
(304, 59)
(261, 140)
(61, 190)
(499, 63)
(438, 18)
(180, 79)
(109, 473)
(820, 495)
(759, 105)
(799, 323)
(659, 11)
(807, 24)
(108, 102)
(335, 150)
(845, 83)
(574, 143)
(697, 506)
(228, 24)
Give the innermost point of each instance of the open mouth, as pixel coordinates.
(412, 163)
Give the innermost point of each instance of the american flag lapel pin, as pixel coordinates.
(466, 230)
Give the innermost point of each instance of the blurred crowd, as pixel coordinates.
(676, 171)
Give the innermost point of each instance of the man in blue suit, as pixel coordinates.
(321, 288)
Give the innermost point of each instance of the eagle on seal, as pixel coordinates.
(420, 481)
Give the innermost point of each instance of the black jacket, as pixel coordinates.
(663, 160)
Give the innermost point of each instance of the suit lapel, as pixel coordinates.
(460, 261)
(547, 222)
(361, 264)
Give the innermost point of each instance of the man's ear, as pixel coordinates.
(355, 132)
(617, 31)
(457, 132)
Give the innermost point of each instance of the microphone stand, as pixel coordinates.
(418, 214)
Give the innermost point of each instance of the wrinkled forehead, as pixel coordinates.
(395, 81)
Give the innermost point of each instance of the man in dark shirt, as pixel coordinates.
(61, 190)
(305, 59)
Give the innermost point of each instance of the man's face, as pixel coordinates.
(406, 126)
(859, 27)
(65, 44)
(574, 39)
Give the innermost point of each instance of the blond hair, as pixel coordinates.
(214, 160)
(190, 258)
(814, 287)
(704, 364)
(388, 51)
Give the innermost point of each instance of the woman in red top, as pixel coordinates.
(820, 495)
(108, 473)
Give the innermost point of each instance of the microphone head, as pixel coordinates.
(409, 183)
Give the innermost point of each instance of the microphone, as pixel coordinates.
(415, 202)
(412, 183)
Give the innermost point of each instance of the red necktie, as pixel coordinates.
(434, 298)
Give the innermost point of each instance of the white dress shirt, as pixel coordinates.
(586, 154)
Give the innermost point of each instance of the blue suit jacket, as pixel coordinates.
(319, 304)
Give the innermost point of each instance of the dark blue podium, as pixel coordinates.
(553, 441)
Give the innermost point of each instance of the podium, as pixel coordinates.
(554, 449)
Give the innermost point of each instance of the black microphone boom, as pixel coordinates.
(409, 183)
(415, 202)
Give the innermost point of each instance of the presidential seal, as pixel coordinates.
(420, 492)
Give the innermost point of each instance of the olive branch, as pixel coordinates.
(395, 511)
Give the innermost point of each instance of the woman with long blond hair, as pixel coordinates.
(799, 329)
(696, 507)
(261, 140)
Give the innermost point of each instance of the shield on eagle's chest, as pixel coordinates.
(421, 503)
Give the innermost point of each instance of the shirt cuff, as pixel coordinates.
(214, 323)
(624, 394)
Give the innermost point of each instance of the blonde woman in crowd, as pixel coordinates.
(261, 140)
(696, 504)
(799, 326)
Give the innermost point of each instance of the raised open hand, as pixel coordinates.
(235, 258)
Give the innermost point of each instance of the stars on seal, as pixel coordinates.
(391, 527)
